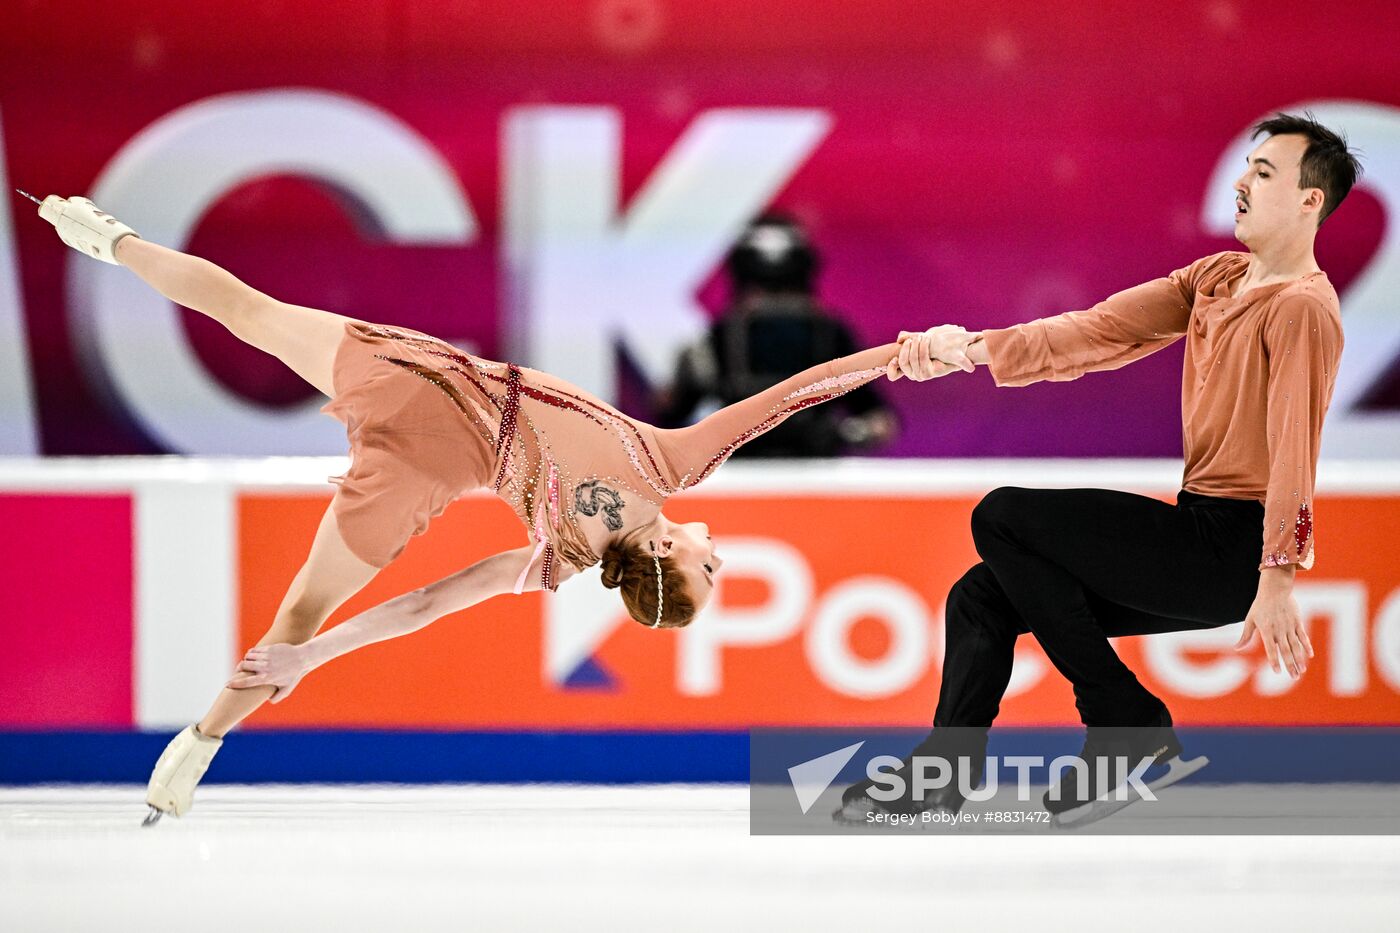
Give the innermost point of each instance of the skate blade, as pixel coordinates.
(1178, 769)
(153, 817)
(853, 813)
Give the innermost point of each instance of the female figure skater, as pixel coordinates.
(426, 423)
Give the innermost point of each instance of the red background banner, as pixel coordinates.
(985, 164)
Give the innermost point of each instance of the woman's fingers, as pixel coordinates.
(284, 692)
(243, 681)
(906, 357)
(918, 358)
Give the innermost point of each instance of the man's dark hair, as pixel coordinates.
(1327, 164)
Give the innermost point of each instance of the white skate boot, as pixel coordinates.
(85, 228)
(177, 771)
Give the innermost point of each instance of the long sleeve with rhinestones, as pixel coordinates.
(1115, 332)
(1303, 344)
(694, 452)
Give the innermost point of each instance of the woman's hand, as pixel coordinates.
(280, 666)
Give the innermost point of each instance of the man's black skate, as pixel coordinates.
(960, 752)
(1113, 776)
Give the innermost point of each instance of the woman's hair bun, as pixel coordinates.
(614, 564)
(635, 572)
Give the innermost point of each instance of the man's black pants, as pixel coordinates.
(1076, 567)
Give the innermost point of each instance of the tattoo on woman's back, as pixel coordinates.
(590, 497)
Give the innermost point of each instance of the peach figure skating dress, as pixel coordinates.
(427, 423)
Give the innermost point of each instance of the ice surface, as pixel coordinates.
(307, 858)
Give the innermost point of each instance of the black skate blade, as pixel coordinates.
(853, 813)
(1178, 769)
(153, 817)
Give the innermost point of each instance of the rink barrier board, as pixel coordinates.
(1332, 755)
(818, 621)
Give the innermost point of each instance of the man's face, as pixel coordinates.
(1267, 197)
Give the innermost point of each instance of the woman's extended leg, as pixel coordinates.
(330, 576)
(303, 338)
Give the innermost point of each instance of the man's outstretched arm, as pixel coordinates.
(1119, 330)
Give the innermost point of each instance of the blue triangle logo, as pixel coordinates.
(590, 675)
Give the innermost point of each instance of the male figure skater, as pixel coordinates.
(1077, 567)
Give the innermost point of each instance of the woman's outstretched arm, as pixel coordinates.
(696, 451)
(283, 665)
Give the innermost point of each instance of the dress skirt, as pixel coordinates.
(412, 448)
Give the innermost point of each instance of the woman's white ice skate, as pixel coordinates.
(177, 772)
(85, 228)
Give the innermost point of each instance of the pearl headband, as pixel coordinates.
(657, 561)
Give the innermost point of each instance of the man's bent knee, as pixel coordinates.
(999, 506)
(976, 598)
(1001, 509)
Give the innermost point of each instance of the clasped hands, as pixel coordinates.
(932, 353)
